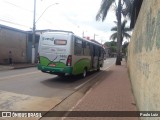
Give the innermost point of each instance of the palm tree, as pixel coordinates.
(124, 31)
(124, 7)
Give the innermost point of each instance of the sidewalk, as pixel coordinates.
(113, 93)
(16, 66)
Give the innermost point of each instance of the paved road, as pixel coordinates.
(30, 89)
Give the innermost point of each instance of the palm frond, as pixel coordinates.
(114, 28)
(113, 36)
(102, 13)
(123, 24)
(128, 9)
(124, 31)
(115, 22)
(126, 35)
(127, 29)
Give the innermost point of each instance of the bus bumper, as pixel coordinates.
(54, 70)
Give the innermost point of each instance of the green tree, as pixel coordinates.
(112, 47)
(124, 7)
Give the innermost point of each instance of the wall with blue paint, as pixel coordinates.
(144, 57)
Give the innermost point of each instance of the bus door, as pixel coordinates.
(92, 55)
(95, 57)
(101, 56)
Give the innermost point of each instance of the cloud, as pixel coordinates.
(75, 15)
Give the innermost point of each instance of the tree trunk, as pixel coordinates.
(121, 46)
(118, 60)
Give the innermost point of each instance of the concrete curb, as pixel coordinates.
(18, 66)
(21, 67)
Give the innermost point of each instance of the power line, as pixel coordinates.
(13, 23)
(17, 6)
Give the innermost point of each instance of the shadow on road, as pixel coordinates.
(69, 82)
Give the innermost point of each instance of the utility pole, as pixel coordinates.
(83, 34)
(34, 28)
(94, 37)
(33, 37)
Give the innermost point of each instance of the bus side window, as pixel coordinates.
(86, 50)
(88, 46)
(91, 50)
(84, 44)
(78, 46)
(99, 52)
(102, 53)
(96, 51)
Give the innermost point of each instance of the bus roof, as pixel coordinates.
(58, 31)
(90, 41)
(70, 32)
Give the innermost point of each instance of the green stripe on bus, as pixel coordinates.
(58, 64)
(79, 66)
(55, 69)
(46, 62)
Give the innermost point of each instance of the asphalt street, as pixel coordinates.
(30, 89)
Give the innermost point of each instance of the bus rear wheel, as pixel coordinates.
(61, 75)
(98, 69)
(84, 73)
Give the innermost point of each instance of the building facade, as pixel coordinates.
(18, 42)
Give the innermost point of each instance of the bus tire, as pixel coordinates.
(84, 73)
(61, 75)
(43, 71)
(98, 69)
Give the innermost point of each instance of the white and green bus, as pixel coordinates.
(64, 53)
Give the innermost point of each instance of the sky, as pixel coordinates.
(72, 15)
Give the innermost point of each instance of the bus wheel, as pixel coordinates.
(61, 75)
(98, 69)
(84, 73)
(43, 71)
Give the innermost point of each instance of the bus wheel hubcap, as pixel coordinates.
(84, 73)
